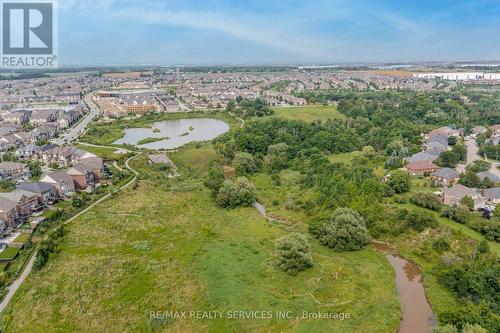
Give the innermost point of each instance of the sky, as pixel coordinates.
(248, 32)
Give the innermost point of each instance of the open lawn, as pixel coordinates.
(9, 253)
(164, 246)
(308, 113)
(22, 238)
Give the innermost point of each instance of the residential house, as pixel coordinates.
(95, 164)
(63, 183)
(20, 117)
(45, 192)
(64, 156)
(486, 174)
(68, 119)
(27, 202)
(82, 176)
(422, 156)
(9, 213)
(454, 195)
(492, 195)
(421, 167)
(14, 170)
(27, 152)
(478, 130)
(443, 131)
(445, 176)
(43, 116)
(495, 129)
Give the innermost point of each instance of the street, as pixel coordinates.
(472, 155)
(73, 132)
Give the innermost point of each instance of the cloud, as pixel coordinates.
(260, 30)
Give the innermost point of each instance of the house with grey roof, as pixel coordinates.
(27, 202)
(486, 174)
(492, 195)
(63, 183)
(9, 212)
(454, 195)
(445, 176)
(421, 156)
(478, 130)
(14, 170)
(45, 192)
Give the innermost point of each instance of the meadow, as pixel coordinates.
(163, 246)
(309, 113)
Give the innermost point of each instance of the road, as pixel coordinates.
(27, 270)
(472, 155)
(72, 133)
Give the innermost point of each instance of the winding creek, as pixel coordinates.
(417, 313)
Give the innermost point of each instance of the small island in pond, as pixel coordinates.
(150, 140)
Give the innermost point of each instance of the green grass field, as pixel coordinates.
(9, 253)
(308, 113)
(165, 246)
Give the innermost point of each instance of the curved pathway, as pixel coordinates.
(27, 270)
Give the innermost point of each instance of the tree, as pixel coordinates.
(215, 179)
(400, 181)
(468, 202)
(452, 140)
(35, 169)
(447, 159)
(245, 163)
(419, 220)
(277, 157)
(458, 214)
(460, 151)
(479, 166)
(469, 179)
(294, 253)
(426, 200)
(345, 230)
(487, 183)
(235, 194)
(76, 201)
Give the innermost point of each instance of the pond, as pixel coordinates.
(171, 134)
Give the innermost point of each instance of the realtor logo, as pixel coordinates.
(29, 33)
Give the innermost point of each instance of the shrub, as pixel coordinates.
(419, 220)
(458, 214)
(468, 202)
(214, 180)
(483, 247)
(235, 194)
(245, 163)
(441, 245)
(426, 200)
(277, 157)
(479, 166)
(469, 179)
(345, 230)
(400, 181)
(76, 201)
(294, 253)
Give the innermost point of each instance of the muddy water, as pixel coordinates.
(417, 313)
